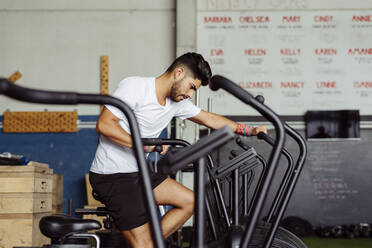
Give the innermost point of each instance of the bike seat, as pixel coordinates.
(58, 225)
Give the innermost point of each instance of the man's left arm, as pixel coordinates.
(216, 121)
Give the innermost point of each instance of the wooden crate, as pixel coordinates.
(34, 177)
(21, 230)
(25, 197)
(13, 203)
(26, 189)
(57, 194)
(25, 179)
(25, 183)
(32, 169)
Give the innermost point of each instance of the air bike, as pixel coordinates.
(233, 229)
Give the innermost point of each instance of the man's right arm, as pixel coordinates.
(108, 125)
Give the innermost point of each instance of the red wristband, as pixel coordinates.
(240, 129)
(244, 129)
(248, 131)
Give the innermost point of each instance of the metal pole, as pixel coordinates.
(235, 197)
(199, 204)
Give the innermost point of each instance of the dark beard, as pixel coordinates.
(176, 90)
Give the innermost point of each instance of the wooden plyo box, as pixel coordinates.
(25, 203)
(25, 197)
(26, 179)
(21, 230)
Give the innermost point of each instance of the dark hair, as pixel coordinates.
(196, 64)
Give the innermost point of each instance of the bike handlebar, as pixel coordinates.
(173, 161)
(160, 141)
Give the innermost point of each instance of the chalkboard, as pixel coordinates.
(335, 184)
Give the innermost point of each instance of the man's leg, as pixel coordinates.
(139, 236)
(169, 192)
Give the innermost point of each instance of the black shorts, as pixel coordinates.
(123, 196)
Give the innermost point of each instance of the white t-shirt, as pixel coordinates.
(140, 94)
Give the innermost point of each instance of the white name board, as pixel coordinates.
(298, 60)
